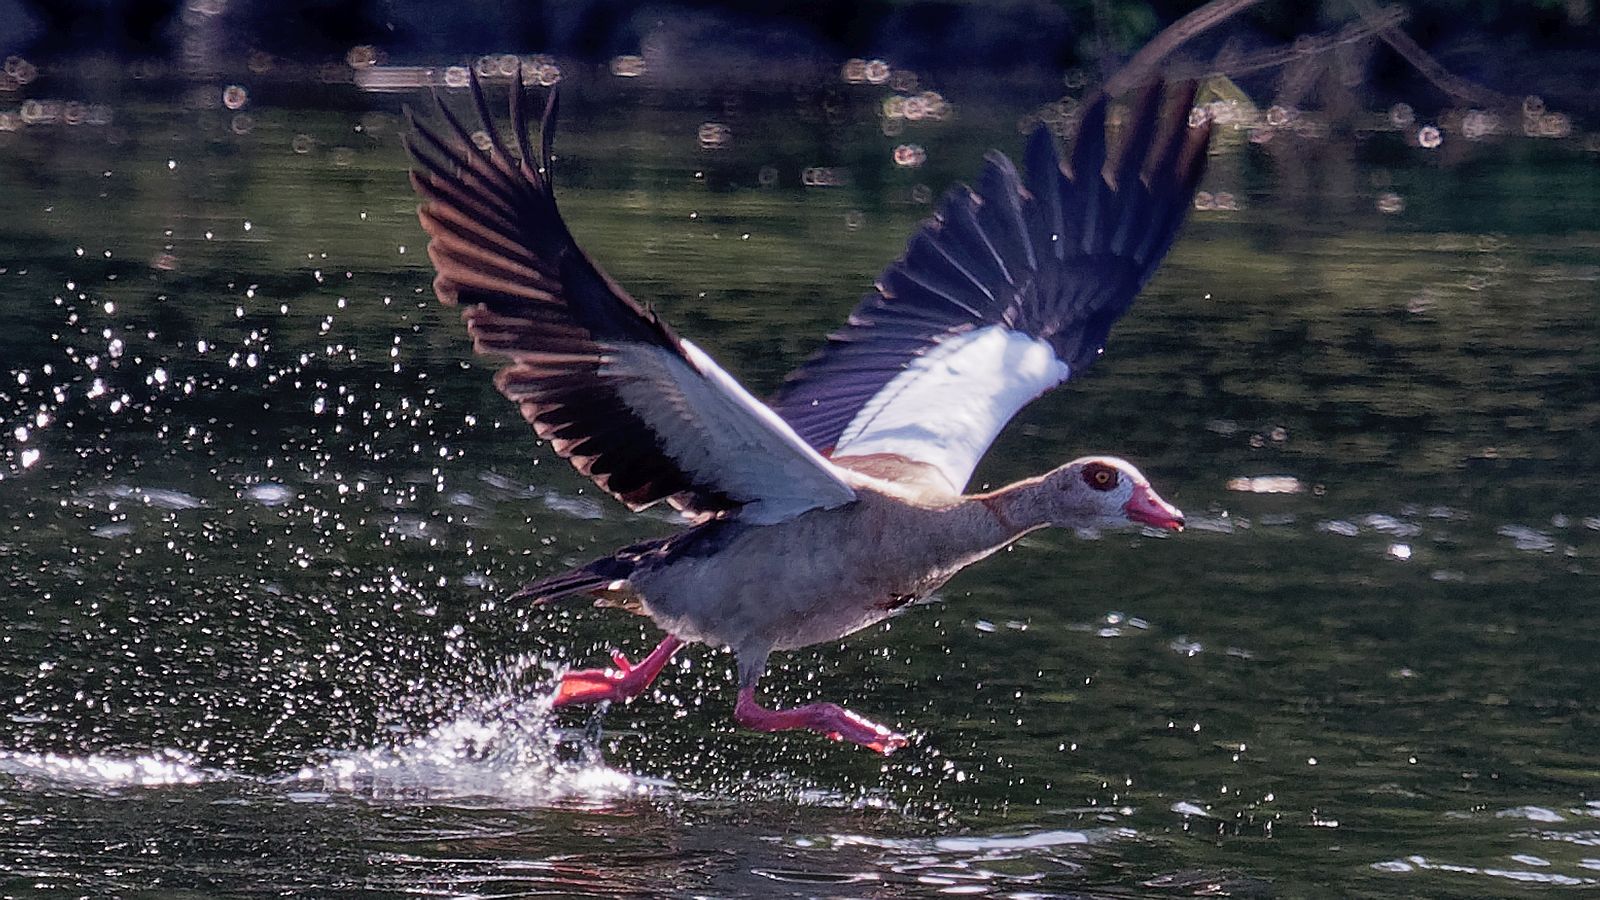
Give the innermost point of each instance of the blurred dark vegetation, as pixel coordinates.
(1545, 47)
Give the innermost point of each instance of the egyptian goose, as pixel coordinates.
(840, 500)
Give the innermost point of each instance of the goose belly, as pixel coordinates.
(786, 586)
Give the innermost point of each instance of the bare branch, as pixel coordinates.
(1455, 86)
(1161, 46)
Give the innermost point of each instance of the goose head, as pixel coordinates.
(1105, 492)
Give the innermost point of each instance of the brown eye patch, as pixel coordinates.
(1100, 476)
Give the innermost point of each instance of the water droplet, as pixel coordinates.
(714, 136)
(910, 156)
(628, 66)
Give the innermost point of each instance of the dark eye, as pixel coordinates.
(1099, 476)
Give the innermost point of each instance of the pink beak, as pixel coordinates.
(1146, 508)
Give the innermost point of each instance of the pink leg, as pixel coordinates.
(622, 683)
(829, 719)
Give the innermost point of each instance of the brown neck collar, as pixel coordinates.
(992, 503)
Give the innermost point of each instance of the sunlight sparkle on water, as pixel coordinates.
(163, 767)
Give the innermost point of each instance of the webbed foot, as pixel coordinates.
(624, 682)
(828, 719)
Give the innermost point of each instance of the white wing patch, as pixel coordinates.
(950, 403)
(711, 426)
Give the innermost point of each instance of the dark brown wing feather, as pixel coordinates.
(529, 293)
(645, 415)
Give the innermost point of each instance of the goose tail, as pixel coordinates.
(606, 577)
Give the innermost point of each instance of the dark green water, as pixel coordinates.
(260, 506)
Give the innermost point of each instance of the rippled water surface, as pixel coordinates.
(261, 507)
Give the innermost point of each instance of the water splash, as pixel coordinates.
(502, 749)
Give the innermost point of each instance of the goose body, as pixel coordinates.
(866, 571)
(842, 500)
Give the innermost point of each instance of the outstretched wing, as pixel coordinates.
(1008, 291)
(645, 415)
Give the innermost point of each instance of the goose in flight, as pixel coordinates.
(841, 499)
